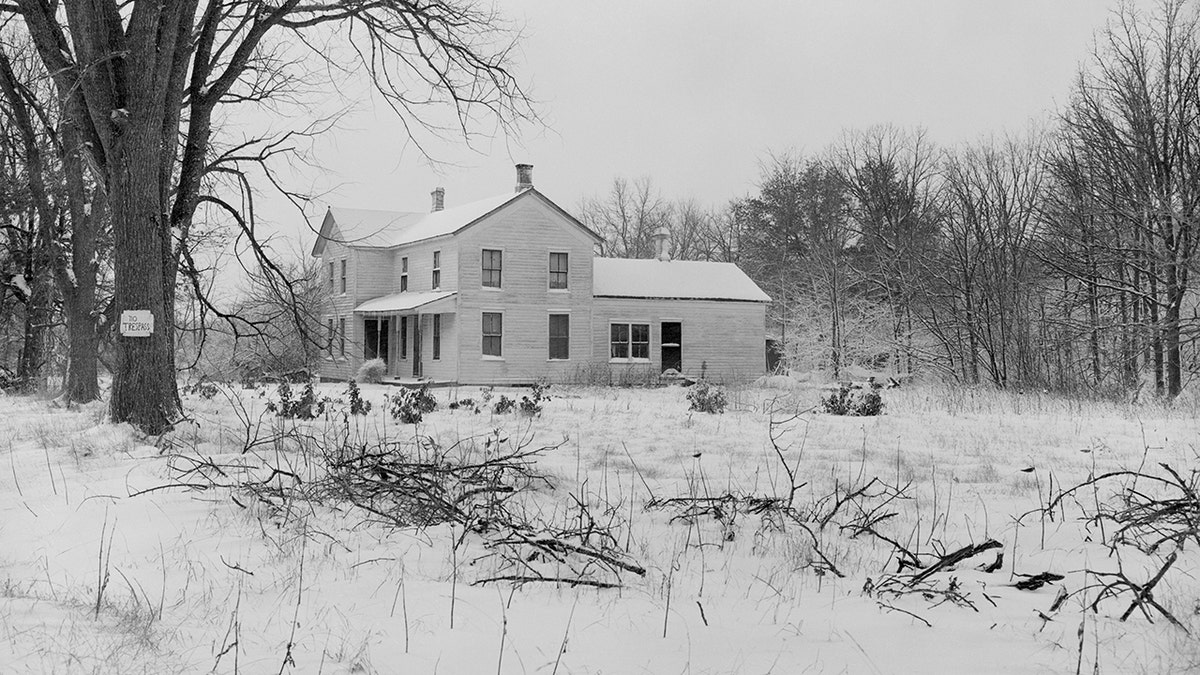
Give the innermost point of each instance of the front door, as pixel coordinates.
(672, 346)
(375, 339)
(416, 324)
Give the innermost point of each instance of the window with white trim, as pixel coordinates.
(560, 337)
(437, 270)
(493, 334)
(341, 337)
(629, 341)
(329, 342)
(343, 275)
(404, 274)
(558, 271)
(330, 277)
(493, 261)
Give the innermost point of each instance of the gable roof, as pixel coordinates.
(675, 279)
(369, 228)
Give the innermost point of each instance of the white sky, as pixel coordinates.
(693, 93)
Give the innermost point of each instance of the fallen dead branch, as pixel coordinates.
(474, 484)
(1151, 511)
(954, 558)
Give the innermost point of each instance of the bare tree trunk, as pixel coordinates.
(144, 390)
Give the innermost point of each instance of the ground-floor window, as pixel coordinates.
(560, 337)
(341, 337)
(493, 333)
(437, 336)
(629, 340)
(330, 334)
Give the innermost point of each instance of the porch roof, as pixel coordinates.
(436, 302)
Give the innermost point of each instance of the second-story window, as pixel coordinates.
(403, 274)
(343, 275)
(437, 270)
(492, 262)
(558, 270)
(330, 277)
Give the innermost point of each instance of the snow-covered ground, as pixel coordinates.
(107, 567)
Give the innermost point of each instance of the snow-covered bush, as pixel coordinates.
(854, 402)
(707, 397)
(371, 371)
(409, 406)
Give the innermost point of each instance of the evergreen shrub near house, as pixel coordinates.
(707, 397)
(504, 405)
(371, 371)
(306, 407)
(409, 406)
(358, 406)
(532, 405)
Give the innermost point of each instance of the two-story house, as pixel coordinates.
(508, 290)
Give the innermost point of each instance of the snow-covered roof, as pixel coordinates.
(370, 228)
(678, 279)
(405, 302)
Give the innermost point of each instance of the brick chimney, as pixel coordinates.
(439, 199)
(662, 244)
(524, 177)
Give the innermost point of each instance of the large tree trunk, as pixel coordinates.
(79, 280)
(144, 389)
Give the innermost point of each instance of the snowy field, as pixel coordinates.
(119, 555)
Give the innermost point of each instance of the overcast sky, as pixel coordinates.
(693, 93)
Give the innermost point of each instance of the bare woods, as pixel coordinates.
(1057, 258)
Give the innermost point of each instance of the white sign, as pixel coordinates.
(137, 323)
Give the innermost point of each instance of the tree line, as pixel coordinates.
(1059, 258)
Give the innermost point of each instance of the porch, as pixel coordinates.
(407, 330)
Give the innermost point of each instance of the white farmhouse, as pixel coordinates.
(508, 290)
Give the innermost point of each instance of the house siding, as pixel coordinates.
(527, 231)
(341, 306)
(723, 340)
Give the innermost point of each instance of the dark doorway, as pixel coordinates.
(672, 346)
(375, 339)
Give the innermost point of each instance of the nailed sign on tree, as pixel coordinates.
(137, 323)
